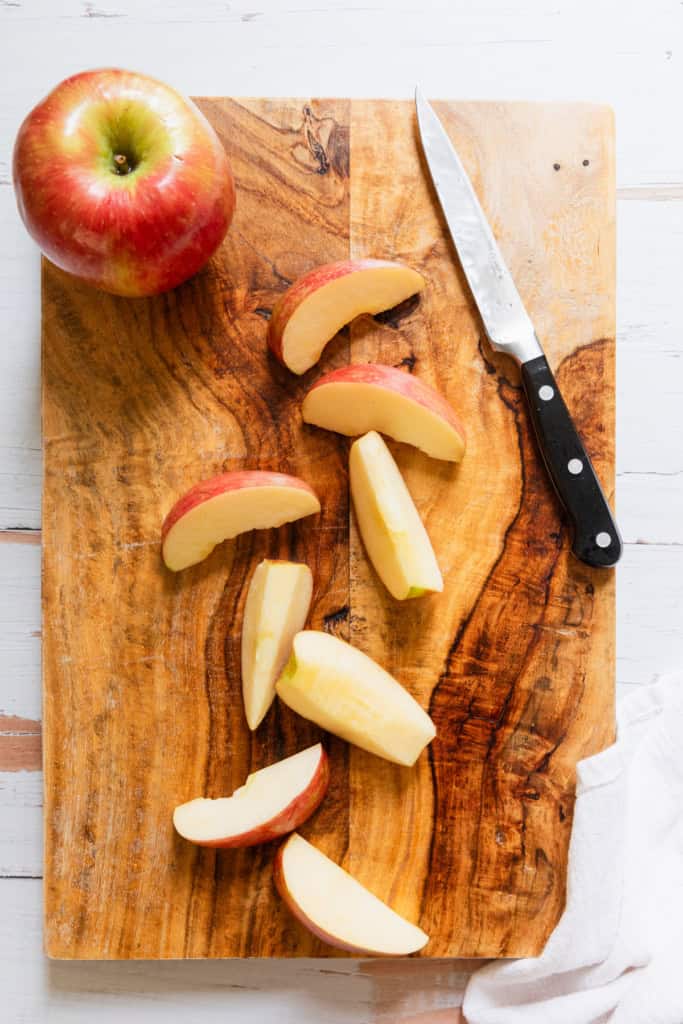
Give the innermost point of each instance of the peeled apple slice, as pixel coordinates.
(344, 691)
(393, 533)
(277, 604)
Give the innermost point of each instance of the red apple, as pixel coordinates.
(338, 909)
(356, 399)
(317, 305)
(272, 802)
(220, 508)
(123, 182)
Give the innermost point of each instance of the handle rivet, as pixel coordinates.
(546, 393)
(603, 540)
(575, 466)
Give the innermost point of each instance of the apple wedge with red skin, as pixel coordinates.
(221, 508)
(338, 909)
(271, 803)
(320, 303)
(356, 399)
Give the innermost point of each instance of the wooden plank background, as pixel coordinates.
(524, 48)
(515, 661)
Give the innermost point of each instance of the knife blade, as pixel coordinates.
(509, 329)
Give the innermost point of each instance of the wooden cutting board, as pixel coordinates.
(515, 660)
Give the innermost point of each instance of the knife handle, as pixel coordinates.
(596, 538)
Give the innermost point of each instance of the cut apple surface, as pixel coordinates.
(393, 533)
(277, 604)
(344, 691)
(320, 303)
(336, 907)
(356, 399)
(219, 509)
(272, 802)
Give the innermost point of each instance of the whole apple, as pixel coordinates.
(123, 182)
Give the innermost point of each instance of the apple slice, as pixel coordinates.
(277, 604)
(346, 692)
(272, 802)
(392, 531)
(336, 908)
(320, 303)
(218, 509)
(356, 399)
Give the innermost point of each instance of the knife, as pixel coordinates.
(509, 329)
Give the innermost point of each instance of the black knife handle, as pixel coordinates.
(596, 538)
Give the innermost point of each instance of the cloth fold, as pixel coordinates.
(616, 952)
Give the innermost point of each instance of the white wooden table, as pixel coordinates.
(627, 54)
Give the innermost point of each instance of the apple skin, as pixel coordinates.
(207, 489)
(289, 819)
(393, 379)
(132, 234)
(304, 286)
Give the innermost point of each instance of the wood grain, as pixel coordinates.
(20, 744)
(515, 660)
(141, 667)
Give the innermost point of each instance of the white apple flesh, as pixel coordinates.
(344, 691)
(338, 909)
(271, 803)
(320, 303)
(356, 399)
(225, 506)
(277, 604)
(393, 533)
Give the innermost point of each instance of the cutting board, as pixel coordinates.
(514, 661)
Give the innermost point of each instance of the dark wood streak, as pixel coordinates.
(333, 619)
(520, 652)
(408, 361)
(395, 317)
(483, 713)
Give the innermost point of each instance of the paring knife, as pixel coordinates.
(509, 330)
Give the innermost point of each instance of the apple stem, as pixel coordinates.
(122, 165)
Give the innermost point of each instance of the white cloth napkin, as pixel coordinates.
(617, 952)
